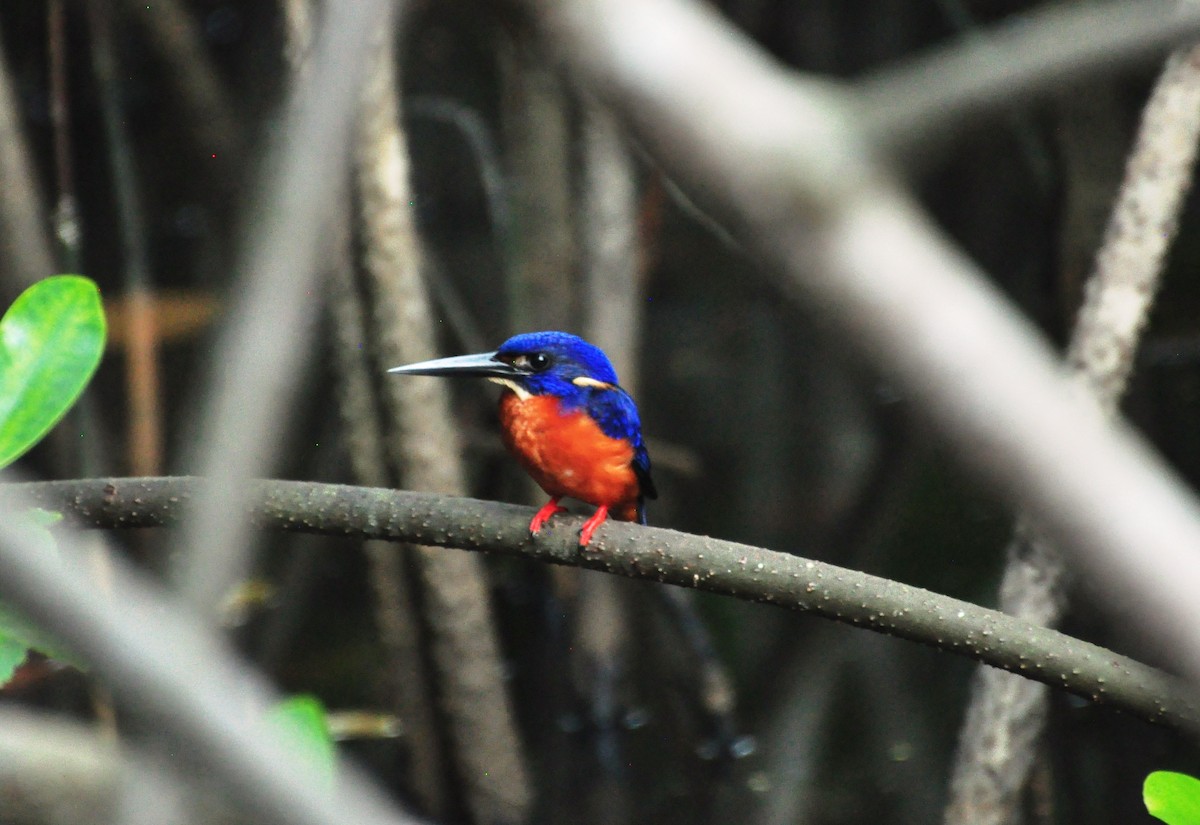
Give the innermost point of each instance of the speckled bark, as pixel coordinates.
(1006, 717)
(739, 570)
(399, 630)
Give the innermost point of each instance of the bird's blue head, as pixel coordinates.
(534, 363)
(555, 363)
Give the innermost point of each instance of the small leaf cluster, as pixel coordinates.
(51, 341)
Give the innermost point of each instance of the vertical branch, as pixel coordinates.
(66, 207)
(358, 405)
(72, 454)
(486, 748)
(142, 380)
(1007, 714)
(541, 250)
(25, 246)
(609, 247)
(256, 363)
(609, 256)
(395, 612)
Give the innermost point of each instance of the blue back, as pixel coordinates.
(572, 357)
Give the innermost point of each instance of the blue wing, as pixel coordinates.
(617, 416)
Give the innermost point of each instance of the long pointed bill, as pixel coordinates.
(483, 364)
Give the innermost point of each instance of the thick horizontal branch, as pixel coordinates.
(727, 568)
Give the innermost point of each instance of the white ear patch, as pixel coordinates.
(584, 381)
(521, 392)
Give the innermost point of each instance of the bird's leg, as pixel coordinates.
(543, 515)
(589, 526)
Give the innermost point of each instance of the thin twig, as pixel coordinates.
(724, 567)
(537, 144)
(1006, 716)
(609, 243)
(603, 632)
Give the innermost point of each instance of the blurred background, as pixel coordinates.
(143, 126)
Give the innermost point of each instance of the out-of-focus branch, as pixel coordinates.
(256, 363)
(603, 632)
(540, 242)
(66, 207)
(609, 242)
(144, 436)
(56, 771)
(179, 677)
(724, 567)
(787, 163)
(486, 748)
(25, 247)
(1006, 716)
(917, 105)
(406, 674)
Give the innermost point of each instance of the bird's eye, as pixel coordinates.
(534, 362)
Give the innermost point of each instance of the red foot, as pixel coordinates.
(589, 526)
(543, 515)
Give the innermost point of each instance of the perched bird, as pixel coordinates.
(566, 420)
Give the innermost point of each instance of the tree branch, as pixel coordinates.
(1005, 717)
(918, 104)
(787, 162)
(731, 569)
(24, 230)
(179, 676)
(423, 447)
(257, 360)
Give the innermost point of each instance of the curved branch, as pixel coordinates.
(728, 568)
(919, 103)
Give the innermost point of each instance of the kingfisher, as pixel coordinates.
(566, 420)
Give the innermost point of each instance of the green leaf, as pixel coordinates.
(12, 653)
(1172, 797)
(51, 340)
(305, 726)
(17, 634)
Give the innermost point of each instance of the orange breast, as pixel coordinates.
(568, 454)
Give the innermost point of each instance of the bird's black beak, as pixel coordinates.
(480, 365)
